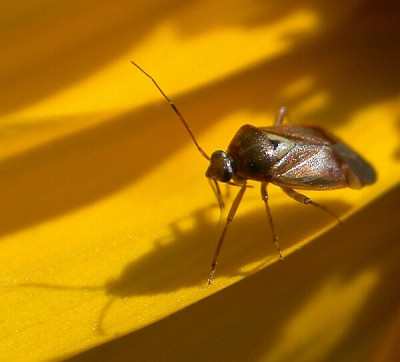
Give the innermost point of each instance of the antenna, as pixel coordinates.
(204, 154)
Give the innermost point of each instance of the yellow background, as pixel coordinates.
(107, 223)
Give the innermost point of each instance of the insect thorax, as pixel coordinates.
(252, 154)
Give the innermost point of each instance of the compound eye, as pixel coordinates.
(220, 167)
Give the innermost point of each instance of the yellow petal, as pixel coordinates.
(334, 300)
(107, 224)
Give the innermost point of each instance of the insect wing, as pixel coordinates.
(309, 167)
(356, 163)
(360, 171)
(309, 134)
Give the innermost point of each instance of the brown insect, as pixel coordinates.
(291, 156)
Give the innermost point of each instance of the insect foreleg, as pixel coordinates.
(217, 192)
(229, 219)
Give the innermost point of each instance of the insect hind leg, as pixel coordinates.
(264, 197)
(280, 116)
(307, 201)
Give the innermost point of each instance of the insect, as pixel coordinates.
(291, 156)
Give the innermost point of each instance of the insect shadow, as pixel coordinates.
(173, 262)
(275, 297)
(160, 271)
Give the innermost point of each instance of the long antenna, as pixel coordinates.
(175, 110)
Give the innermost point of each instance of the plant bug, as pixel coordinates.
(291, 156)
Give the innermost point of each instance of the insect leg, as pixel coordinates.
(280, 116)
(264, 196)
(229, 219)
(217, 192)
(307, 201)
